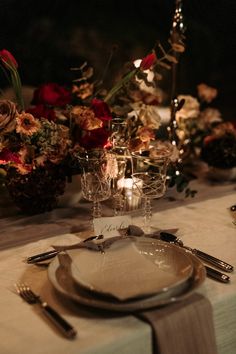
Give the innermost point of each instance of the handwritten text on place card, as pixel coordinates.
(109, 226)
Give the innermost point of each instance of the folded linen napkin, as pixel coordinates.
(183, 327)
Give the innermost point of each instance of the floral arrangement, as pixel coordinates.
(202, 133)
(26, 142)
(62, 121)
(203, 137)
(86, 114)
(219, 147)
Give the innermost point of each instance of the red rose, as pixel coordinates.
(148, 61)
(7, 58)
(208, 139)
(6, 156)
(96, 138)
(101, 109)
(234, 124)
(52, 94)
(41, 111)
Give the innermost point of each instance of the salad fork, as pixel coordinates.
(31, 298)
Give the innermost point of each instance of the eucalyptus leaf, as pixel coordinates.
(171, 58)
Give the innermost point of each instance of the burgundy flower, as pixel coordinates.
(148, 61)
(6, 156)
(96, 138)
(52, 94)
(7, 58)
(41, 111)
(101, 109)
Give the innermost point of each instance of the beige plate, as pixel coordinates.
(59, 274)
(132, 267)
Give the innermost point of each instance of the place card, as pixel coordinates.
(110, 226)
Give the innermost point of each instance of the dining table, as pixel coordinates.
(205, 221)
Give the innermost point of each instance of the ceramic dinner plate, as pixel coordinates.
(131, 267)
(59, 273)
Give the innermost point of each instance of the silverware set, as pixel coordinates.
(206, 258)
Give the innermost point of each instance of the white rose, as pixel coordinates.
(210, 115)
(190, 109)
(148, 115)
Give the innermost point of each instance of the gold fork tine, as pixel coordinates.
(31, 298)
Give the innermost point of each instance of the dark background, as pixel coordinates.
(49, 37)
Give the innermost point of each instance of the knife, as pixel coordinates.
(165, 236)
(41, 257)
(215, 274)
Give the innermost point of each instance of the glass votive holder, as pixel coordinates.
(131, 199)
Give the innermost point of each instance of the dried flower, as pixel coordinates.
(206, 93)
(85, 118)
(27, 124)
(210, 116)
(146, 134)
(83, 91)
(148, 115)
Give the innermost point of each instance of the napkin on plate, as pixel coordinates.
(183, 327)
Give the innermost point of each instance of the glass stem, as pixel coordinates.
(97, 210)
(147, 214)
(118, 204)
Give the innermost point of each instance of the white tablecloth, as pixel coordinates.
(204, 222)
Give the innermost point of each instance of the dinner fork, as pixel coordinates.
(30, 297)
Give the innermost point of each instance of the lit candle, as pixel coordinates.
(132, 197)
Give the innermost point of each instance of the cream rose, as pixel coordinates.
(209, 116)
(190, 109)
(148, 114)
(8, 114)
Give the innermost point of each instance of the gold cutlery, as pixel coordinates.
(31, 298)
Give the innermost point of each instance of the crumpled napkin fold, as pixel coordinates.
(131, 230)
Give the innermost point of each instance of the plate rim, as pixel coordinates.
(199, 277)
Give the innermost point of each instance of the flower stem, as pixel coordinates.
(120, 84)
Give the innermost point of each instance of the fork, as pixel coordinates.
(31, 298)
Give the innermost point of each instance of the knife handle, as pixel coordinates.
(215, 274)
(42, 256)
(59, 321)
(214, 261)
